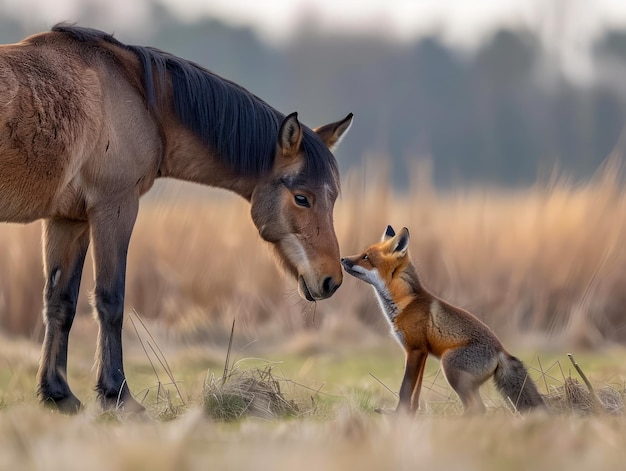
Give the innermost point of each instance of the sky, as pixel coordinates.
(463, 22)
(567, 27)
(403, 19)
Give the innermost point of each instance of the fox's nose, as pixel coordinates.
(329, 286)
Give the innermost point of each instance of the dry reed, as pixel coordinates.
(541, 264)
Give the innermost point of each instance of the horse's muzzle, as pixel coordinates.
(327, 288)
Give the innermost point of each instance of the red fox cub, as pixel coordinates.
(470, 352)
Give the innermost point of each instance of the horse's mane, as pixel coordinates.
(241, 127)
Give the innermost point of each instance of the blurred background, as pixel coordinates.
(490, 92)
(493, 130)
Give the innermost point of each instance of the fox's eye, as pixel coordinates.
(365, 257)
(302, 200)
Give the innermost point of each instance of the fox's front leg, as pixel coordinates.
(412, 381)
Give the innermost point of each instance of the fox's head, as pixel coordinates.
(381, 262)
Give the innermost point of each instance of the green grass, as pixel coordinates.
(333, 424)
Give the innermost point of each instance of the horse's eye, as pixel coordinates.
(302, 200)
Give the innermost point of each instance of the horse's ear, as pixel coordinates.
(290, 135)
(331, 134)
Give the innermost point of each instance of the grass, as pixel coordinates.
(325, 418)
(350, 440)
(543, 266)
(241, 393)
(316, 410)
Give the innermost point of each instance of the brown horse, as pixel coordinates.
(86, 126)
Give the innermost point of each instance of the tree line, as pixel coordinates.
(500, 115)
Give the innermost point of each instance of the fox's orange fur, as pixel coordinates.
(470, 352)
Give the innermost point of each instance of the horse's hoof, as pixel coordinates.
(69, 405)
(125, 404)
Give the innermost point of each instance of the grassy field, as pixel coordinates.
(542, 266)
(332, 424)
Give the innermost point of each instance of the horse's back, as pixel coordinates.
(58, 105)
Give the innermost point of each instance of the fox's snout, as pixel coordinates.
(348, 265)
(352, 267)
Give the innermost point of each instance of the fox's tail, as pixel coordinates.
(513, 382)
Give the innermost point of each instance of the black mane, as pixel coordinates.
(241, 127)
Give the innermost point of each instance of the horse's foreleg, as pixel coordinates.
(111, 227)
(65, 244)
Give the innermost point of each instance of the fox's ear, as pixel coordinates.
(401, 242)
(388, 234)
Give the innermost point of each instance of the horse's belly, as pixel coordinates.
(22, 204)
(27, 189)
(21, 211)
(33, 199)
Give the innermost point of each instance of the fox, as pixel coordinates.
(469, 351)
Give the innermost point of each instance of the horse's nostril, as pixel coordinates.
(328, 285)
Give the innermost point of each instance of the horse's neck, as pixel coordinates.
(186, 158)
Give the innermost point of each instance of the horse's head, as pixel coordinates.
(292, 206)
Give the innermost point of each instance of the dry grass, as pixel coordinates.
(351, 440)
(348, 436)
(257, 392)
(542, 266)
(255, 418)
(241, 393)
(574, 397)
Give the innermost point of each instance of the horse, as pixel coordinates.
(88, 123)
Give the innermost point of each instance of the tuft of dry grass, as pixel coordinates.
(574, 397)
(241, 393)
